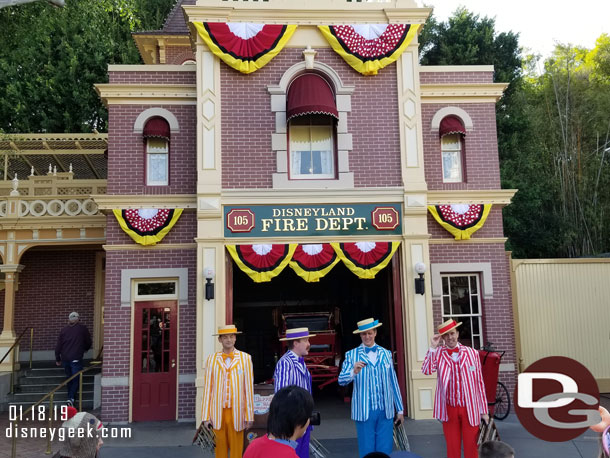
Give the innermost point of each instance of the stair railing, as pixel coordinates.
(50, 412)
(13, 349)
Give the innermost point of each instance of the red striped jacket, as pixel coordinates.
(439, 361)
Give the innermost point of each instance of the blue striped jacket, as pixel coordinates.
(289, 371)
(382, 372)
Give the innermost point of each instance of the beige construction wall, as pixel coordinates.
(562, 308)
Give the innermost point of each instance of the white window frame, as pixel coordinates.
(460, 158)
(312, 176)
(149, 154)
(475, 339)
(344, 177)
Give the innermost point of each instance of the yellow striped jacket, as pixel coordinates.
(242, 388)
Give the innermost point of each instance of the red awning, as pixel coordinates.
(156, 127)
(310, 94)
(451, 125)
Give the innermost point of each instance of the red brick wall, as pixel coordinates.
(177, 54)
(497, 312)
(465, 77)
(126, 77)
(53, 284)
(492, 228)
(126, 155)
(482, 168)
(247, 123)
(117, 327)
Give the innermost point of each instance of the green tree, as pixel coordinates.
(50, 58)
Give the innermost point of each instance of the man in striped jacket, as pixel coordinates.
(376, 397)
(460, 402)
(228, 394)
(292, 370)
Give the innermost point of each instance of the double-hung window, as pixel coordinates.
(451, 146)
(311, 113)
(157, 134)
(312, 147)
(452, 133)
(462, 302)
(157, 162)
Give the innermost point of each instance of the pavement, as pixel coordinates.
(337, 434)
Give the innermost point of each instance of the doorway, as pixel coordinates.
(260, 310)
(155, 360)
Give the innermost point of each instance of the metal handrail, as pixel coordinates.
(51, 394)
(13, 360)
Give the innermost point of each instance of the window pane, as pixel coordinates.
(311, 147)
(157, 168)
(475, 304)
(452, 168)
(473, 285)
(459, 295)
(321, 138)
(149, 289)
(446, 305)
(445, 285)
(451, 143)
(299, 138)
(157, 145)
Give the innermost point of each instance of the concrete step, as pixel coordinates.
(47, 364)
(51, 371)
(51, 380)
(45, 387)
(60, 396)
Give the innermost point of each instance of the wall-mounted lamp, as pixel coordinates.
(420, 269)
(209, 286)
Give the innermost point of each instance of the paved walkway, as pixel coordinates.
(337, 434)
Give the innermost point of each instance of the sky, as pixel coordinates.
(540, 23)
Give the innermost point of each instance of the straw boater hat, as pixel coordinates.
(448, 326)
(366, 325)
(297, 333)
(228, 329)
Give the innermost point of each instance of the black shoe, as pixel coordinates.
(70, 402)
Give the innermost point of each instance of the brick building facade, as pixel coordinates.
(227, 147)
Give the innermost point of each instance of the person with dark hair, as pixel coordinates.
(289, 416)
(496, 449)
(73, 341)
(292, 370)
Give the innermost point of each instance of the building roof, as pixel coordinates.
(174, 22)
(85, 153)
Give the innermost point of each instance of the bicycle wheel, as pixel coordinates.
(502, 405)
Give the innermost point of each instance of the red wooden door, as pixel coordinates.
(155, 367)
(397, 333)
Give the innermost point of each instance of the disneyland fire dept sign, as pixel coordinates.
(312, 220)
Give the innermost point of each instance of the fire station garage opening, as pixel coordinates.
(330, 309)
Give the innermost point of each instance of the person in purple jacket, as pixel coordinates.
(292, 370)
(73, 341)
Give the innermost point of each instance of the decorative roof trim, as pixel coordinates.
(462, 93)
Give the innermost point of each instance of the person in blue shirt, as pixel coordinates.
(376, 400)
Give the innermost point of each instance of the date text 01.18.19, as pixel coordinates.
(39, 413)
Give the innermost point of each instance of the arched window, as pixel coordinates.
(156, 134)
(311, 114)
(452, 133)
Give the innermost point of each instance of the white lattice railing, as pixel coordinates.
(51, 195)
(60, 184)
